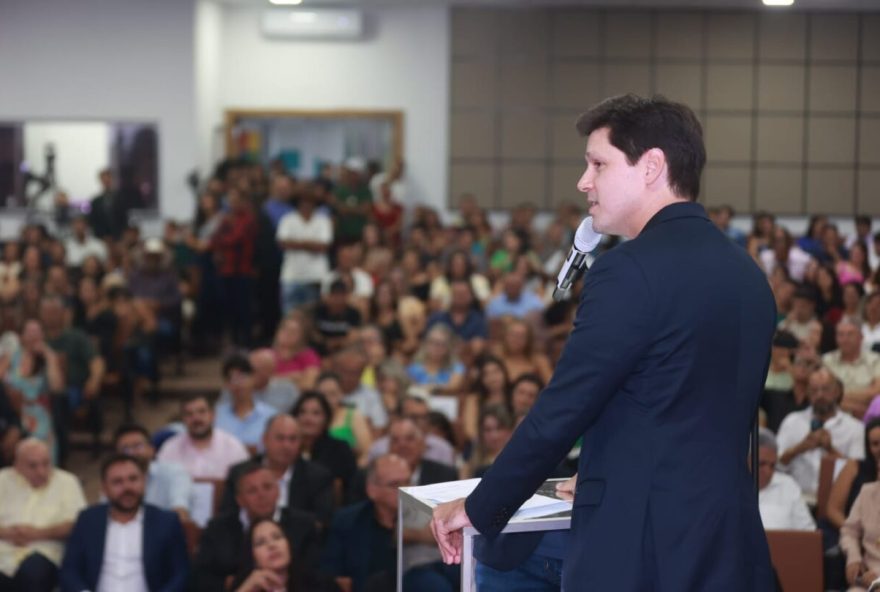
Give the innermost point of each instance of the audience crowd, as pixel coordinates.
(367, 345)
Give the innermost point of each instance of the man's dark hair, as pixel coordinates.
(805, 292)
(863, 219)
(189, 398)
(237, 362)
(128, 428)
(248, 468)
(119, 458)
(528, 377)
(635, 125)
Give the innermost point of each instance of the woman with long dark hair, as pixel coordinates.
(854, 475)
(314, 414)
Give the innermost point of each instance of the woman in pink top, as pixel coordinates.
(295, 359)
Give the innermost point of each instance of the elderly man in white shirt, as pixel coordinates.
(805, 436)
(779, 497)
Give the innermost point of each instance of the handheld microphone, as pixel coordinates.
(579, 259)
(816, 424)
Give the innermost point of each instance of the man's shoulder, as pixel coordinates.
(313, 470)
(349, 517)
(65, 478)
(795, 420)
(264, 410)
(831, 358)
(850, 422)
(786, 485)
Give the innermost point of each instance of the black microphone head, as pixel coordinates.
(816, 424)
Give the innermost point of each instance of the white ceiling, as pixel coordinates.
(863, 5)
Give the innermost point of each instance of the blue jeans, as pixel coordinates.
(535, 574)
(295, 295)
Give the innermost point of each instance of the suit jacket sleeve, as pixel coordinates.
(612, 330)
(205, 577)
(73, 574)
(177, 556)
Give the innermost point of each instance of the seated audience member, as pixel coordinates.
(860, 539)
(272, 565)
(294, 359)
(459, 268)
(155, 285)
(435, 365)
(362, 544)
(779, 497)
(243, 416)
(304, 485)
(491, 386)
(313, 413)
(801, 321)
(778, 404)
(168, 486)
(464, 315)
(349, 365)
(519, 352)
(805, 436)
(781, 356)
(523, 394)
(437, 449)
(82, 244)
(871, 326)
(335, 318)
(204, 451)
(10, 429)
(223, 551)
(858, 370)
(38, 504)
(84, 370)
(515, 300)
(125, 544)
(348, 423)
(853, 476)
(278, 393)
(348, 261)
(784, 253)
(496, 428)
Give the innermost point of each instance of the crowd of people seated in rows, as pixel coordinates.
(366, 345)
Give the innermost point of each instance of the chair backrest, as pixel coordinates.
(829, 468)
(797, 558)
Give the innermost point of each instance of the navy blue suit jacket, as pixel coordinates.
(661, 375)
(358, 547)
(166, 563)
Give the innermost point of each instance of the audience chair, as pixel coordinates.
(797, 558)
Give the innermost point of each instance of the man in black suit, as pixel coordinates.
(224, 548)
(305, 485)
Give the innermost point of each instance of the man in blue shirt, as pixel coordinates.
(514, 300)
(242, 416)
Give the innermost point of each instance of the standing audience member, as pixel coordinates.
(204, 451)
(779, 497)
(108, 214)
(38, 504)
(125, 544)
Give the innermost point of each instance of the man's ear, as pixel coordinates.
(654, 165)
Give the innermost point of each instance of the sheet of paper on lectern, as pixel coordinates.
(438, 493)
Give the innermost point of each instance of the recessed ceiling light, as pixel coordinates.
(778, 2)
(285, 2)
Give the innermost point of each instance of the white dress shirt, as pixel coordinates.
(123, 566)
(782, 507)
(847, 437)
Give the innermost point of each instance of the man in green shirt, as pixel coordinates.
(352, 200)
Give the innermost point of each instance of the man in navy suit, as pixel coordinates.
(661, 375)
(125, 544)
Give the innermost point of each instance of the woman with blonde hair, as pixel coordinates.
(518, 352)
(435, 365)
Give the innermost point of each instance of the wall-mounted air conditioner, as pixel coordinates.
(313, 24)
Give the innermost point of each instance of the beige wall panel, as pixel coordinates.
(575, 33)
(627, 78)
(727, 185)
(782, 36)
(871, 37)
(567, 144)
(575, 85)
(781, 88)
(830, 191)
(474, 32)
(523, 135)
(523, 83)
(869, 142)
(628, 35)
(473, 84)
(521, 182)
(563, 184)
(833, 88)
(780, 139)
(478, 179)
(473, 134)
(831, 140)
(730, 35)
(729, 87)
(870, 89)
(869, 193)
(679, 35)
(728, 138)
(778, 190)
(681, 82)
(524, 32)
(834, 37)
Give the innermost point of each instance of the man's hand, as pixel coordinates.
(449, 519)
(566, 489)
